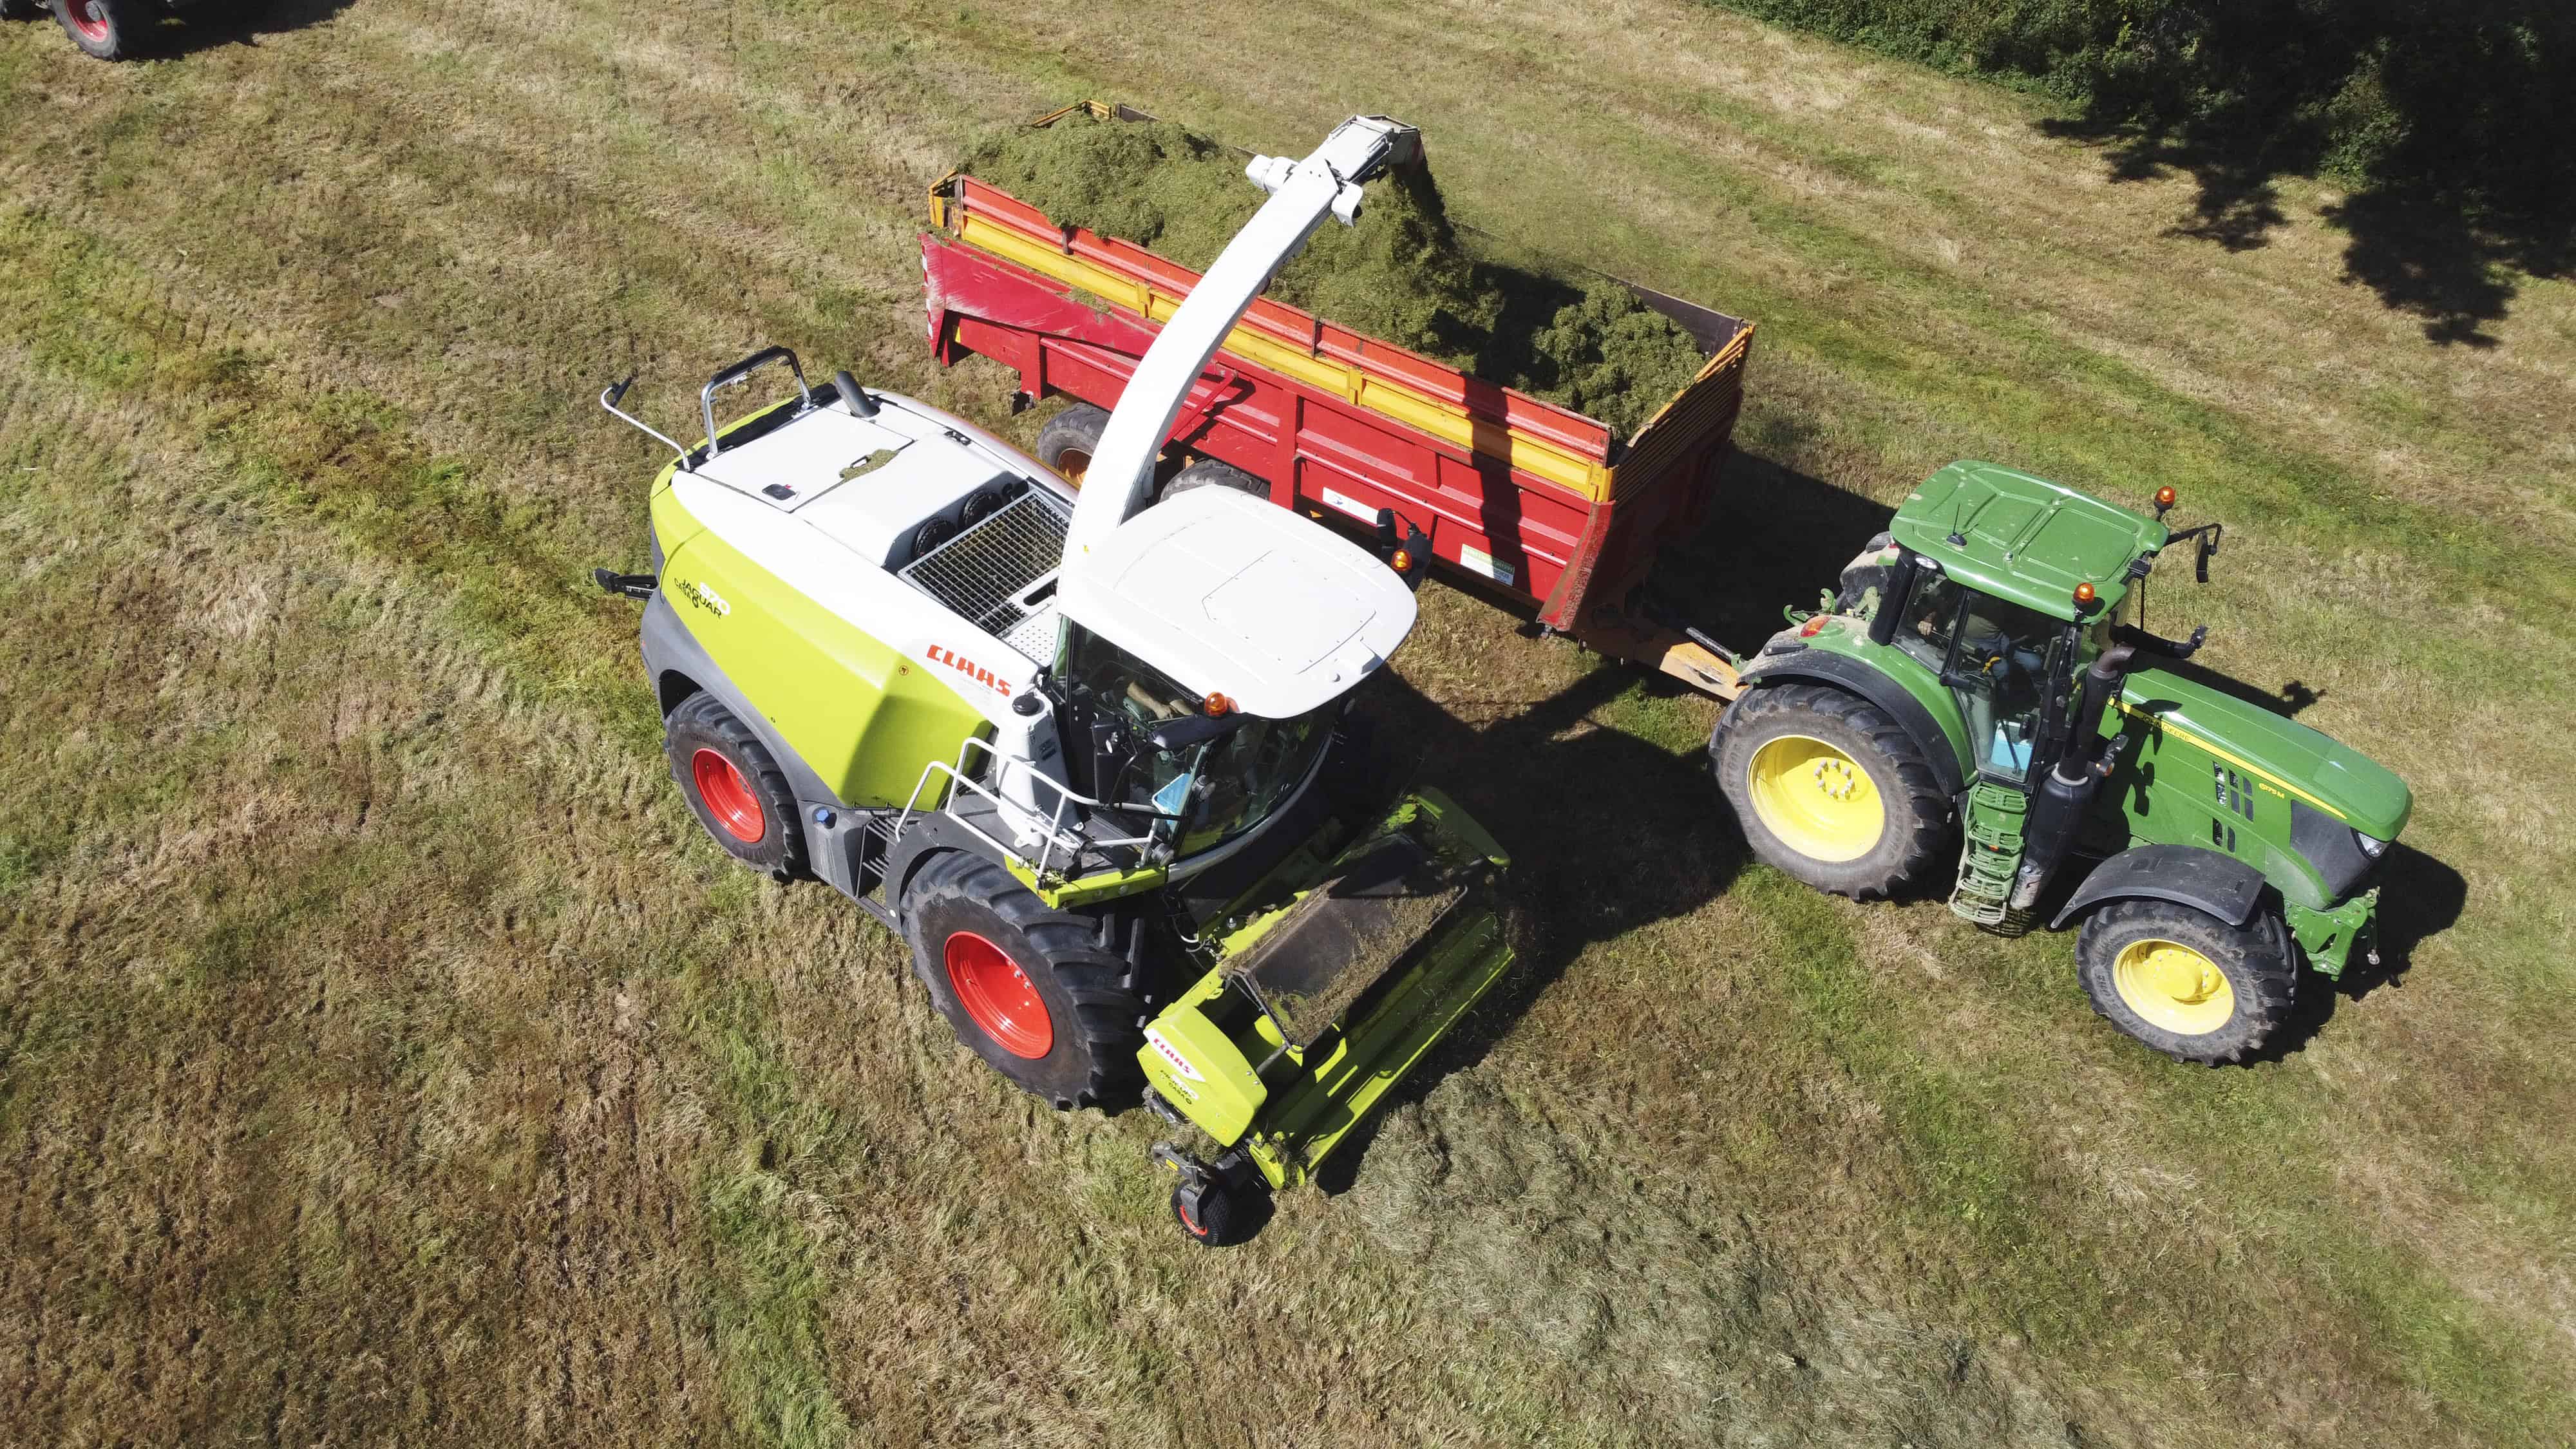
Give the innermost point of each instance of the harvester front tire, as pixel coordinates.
(1209, 473)
(1042, 995)
(1069, 440)
(2185, 982)
(1774, 738)
(106, 29)
(734, 787)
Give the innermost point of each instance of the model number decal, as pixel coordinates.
(942, 654)
(697, 592)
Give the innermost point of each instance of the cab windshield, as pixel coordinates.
(1216, 790)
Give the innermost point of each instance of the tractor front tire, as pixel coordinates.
(1042, 995)
(1829, 789)
(1069, 439)
(1209, 473)
(106, 29)
(2185, 982)
(734, 787)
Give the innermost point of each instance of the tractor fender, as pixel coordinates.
(1854, 677)
(2188, 875)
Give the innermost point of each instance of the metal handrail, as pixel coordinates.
(1049, 828)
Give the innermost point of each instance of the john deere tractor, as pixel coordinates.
(1977, 690)
(1088, 756)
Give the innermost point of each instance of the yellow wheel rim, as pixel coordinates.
(2173, 986)
(1816, 799)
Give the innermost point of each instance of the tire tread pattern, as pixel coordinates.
(1919, 813)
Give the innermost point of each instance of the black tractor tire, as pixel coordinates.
(1915, 824)
(1209, 473)
(1068, 965)
(1069, 439)
(734, 787)
(107, 29)
(1209, 1212)
(2257, 960)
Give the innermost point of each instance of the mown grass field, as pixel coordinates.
(385, 1059)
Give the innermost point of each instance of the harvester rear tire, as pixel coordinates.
(2116, 957)
(1914, 824)
(752, 812)
(1070, 438)
(1209, 473)
(106, 29)
(1081, 1052)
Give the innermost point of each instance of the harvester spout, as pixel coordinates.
(1303, 193)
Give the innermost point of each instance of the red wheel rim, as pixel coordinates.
(998, 997)
(89, 19)
(728, 796)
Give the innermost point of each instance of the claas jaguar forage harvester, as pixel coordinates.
(1086, 755)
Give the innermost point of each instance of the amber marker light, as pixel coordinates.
(1218, 704)
(1403, 560)
(2165, 496)
(2084, 594)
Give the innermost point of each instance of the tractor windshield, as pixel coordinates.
(1218, 789)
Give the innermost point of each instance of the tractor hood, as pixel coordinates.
(1226, 593)
(2283, 755)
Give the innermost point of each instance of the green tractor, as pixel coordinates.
(1089, 757)
(1979, 669)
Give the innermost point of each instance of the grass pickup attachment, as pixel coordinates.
(1320, 1000)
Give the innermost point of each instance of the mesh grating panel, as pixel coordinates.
(982, 572)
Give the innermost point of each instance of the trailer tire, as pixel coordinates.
(1209, 473)
(1802, 765)
(1070, 438)
(2186, 983)
(734, 787)
(1036, 992)
(106, 29)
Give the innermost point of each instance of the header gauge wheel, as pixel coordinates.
(1829, 789)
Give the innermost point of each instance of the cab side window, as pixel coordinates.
(1931, 615)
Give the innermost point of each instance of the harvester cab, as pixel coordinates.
(1086, 755)
(1980, 665)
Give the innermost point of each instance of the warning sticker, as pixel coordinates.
(1470, 556)
(1352, 506)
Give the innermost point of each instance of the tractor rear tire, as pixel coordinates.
(2185, 982)
(1043, 996)
(1209, 473)
(106, 29)
(1829, 789)
(734, 787)
(1069, 439)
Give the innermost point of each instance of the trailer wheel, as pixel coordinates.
(1037, 993)
(733, 786)
(107, 29)
(1209, 473)
(2185, 982)
(1829, 789)
(1069, 439)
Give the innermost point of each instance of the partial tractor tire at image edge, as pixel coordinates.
(733, 786)
(1036, 992)
(1069, 439)
(1829, 789)
(107, 29)
(2185, 982)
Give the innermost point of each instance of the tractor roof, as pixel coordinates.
(1224, 592)
(2024, 539)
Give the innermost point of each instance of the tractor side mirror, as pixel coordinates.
(2208, 551)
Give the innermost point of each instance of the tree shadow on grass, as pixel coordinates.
(2448, 125)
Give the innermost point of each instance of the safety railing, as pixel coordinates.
(1047, 828)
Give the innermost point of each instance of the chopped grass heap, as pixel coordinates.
(1401, 274)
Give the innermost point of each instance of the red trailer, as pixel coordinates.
(1524, 498)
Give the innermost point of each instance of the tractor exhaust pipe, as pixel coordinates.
(2057, 807)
